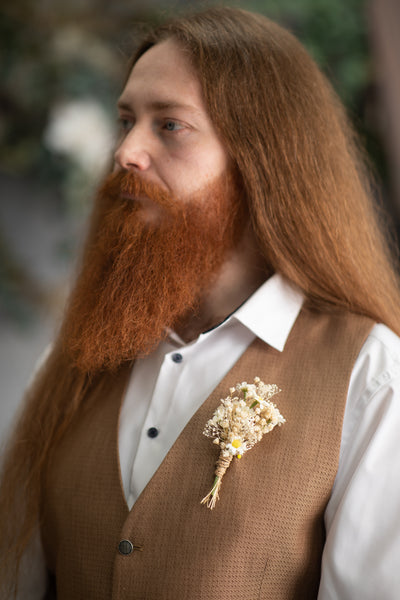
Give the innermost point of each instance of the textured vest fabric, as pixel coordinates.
(265, 537)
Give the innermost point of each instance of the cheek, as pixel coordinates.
(188, 169)
(214, 164)
(210, 163)
(215, 159)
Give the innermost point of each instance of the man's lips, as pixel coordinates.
(143, 200)
(128, 196)
(149, 209)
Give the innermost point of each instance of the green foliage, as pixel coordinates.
(335, 34)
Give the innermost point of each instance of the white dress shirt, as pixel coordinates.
(361, 559)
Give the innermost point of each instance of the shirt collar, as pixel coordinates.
(271, 311)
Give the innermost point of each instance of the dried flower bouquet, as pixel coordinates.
(238, 423)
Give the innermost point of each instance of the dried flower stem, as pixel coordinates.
(222, 464)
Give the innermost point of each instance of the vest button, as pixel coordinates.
(125, 547)
(177, 357)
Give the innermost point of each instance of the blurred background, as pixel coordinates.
(61, 69)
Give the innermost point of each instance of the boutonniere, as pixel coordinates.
(238, 423)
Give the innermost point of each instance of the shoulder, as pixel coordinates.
(384, 341)
(367, 487)
(374, 388)
(378, 363)
(342, 332)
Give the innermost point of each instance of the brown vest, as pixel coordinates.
(265, 537)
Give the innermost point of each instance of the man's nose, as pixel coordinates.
(132, 152)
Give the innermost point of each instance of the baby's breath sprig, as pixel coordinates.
(238, 423)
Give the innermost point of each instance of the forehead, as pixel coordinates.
(164, 74)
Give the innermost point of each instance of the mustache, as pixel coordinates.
(126, 186)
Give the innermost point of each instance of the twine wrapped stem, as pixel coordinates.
(222, 464)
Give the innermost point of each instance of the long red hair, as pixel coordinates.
(308, 195)
(308, 188)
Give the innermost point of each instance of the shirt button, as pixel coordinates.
(125, 547)
(177, 358)
(152, 432)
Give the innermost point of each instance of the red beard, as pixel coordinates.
(139, 278)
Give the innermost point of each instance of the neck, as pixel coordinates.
(241, 274)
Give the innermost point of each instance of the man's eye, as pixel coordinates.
(125, 124)
(172, 125)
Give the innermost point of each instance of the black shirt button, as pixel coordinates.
(152, 432)
(125, 547)
(177, 358)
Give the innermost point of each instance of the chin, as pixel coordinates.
(149, 213)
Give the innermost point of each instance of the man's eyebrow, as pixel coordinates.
(160, 105)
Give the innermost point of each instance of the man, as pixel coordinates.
(234, 239)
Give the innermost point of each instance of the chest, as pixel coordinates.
(265, 537)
